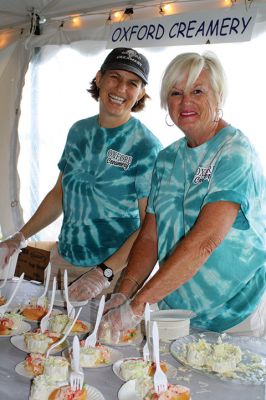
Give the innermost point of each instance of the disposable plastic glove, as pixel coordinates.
(116, 300)
(88, 285)
(10, 245)
(116, 321)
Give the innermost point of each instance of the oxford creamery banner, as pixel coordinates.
(234, 24)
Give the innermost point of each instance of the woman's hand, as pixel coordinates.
(118, 320)
(10, 245)
(88, 285)
(116, 300)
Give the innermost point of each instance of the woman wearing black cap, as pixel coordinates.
(104, 181)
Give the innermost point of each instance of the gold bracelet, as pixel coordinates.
(132, 280)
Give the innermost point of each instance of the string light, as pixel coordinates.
(76, 21)
(121, 15)
(165, 9)
(117, 15)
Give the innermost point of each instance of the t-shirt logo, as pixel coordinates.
(118, 159)
(203, 174)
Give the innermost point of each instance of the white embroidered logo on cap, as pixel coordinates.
(118, 159)
(131, 55)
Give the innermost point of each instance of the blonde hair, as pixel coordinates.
(192, 64)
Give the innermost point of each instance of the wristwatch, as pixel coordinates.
(107, 271)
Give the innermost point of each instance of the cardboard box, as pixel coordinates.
(32, 261)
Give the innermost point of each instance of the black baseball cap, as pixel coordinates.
(128, 60)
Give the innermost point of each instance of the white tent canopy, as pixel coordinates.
(18, 22)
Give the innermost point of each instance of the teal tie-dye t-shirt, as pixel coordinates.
(105, 172)
(229, 285)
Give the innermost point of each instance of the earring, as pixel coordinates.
(219, 115)
(167, 123)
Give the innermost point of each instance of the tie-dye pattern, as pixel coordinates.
(105, 172)
(230, 284)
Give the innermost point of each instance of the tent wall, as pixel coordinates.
(15, 53)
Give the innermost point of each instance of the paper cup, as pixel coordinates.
(172, 324)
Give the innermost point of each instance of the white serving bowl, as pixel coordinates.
(172, 324)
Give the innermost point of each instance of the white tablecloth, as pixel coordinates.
(202, 386)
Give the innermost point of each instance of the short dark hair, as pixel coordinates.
(94, 91)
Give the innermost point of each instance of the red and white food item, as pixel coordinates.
(93, 356)
(10, 321)
(144, 387)
(133, 368)
(66, 393)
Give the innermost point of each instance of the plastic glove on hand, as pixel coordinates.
(10, 245)
(88, 286)
(116, 321)
(116, 300)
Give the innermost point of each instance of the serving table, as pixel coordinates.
(202, 386)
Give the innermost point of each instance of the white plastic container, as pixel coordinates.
(172, 324)
(10, 268)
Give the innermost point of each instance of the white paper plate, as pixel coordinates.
(127, 391)
(21, 370)
(249, 345)
(170, 373)
(25, 327)
(59, 300)
(94, 394)
(115, 356)
(18, 342)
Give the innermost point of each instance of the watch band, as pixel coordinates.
(107, 271)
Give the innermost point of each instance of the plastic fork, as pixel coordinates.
(92, 338)
(146, 347)
(76, 375)
(159, 379)
(68, 330)
(41, 299)
(4, 307)
(5, 279)
(70, 308)
(45, 320)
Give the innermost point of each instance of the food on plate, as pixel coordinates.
(2, 300)
(66, 393)
(93, 356)
(125, 337)
(34, 363)
(217, 357)
(34, 312)
(10, 321)
(58, 323)
(173, 392)
(42, 386)
(133, 368)
(37, 342)
(56, 367)
(128, 335)
(144, 387)
(45, 388)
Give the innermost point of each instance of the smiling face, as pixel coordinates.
(194, 109)
(118, 92)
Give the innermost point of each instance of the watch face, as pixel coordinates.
(108, 273)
